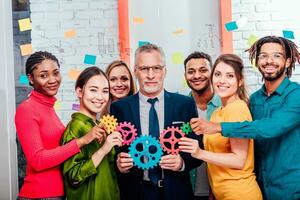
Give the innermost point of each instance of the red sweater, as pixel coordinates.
(39, 130)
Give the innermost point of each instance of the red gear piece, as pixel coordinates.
(175, 135)
(128, 132)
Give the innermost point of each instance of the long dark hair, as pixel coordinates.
(237, 64)
(86, 74)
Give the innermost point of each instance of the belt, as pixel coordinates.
(160, 183)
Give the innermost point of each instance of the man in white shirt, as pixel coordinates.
(171, 108)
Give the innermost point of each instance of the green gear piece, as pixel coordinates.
(186, 128)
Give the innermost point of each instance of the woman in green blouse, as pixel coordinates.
(90, 174)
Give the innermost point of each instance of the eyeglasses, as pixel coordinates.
(276, 56)
(146, 69)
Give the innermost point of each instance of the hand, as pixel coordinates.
(202, 126)
(98, 132)
(189, 145)
(124, 162)
(112, 140)
(171, 162)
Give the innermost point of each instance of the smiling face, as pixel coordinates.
(271, 61)
(150, 73)
(46, 78)
(119, 80)
(197, 74)
(225, 83)
(93, 96)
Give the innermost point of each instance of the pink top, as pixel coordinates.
(39, 130)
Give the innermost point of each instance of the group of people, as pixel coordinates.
(227, 155)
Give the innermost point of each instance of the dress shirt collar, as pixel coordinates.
(144, 98)
(280, 89)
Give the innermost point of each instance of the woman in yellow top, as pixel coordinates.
(230, 160)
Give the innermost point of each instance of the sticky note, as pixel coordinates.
(178, 32)
(242, 22)
(23, 79)
(73, 74)
(288, 34)
(184, 84)
(24, 24)
(138, 20)
(177, 58)
(89, 59)
(75, 106)
(141, 43)
(70, 33)
(251, 40)
(253, 65)
(57, 105)
(230, 26)
(26, 49)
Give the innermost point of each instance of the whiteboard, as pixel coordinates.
(180, 28)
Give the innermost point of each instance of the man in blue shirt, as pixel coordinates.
(276, 113)
(197, 69)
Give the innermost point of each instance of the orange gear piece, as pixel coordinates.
(110, 123)
(169, 139)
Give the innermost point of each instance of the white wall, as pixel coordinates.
(96, 24)
(198, 20)
(8, 167)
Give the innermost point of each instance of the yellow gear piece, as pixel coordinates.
(110, 123)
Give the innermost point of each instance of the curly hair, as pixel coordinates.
(289, 47)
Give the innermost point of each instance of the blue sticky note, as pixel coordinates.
(141, 43)
(89, 59)
(231, 26)
(23, 79)
(288, 34)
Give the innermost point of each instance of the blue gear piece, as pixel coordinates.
(145, 152)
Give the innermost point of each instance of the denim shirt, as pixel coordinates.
(276, 130)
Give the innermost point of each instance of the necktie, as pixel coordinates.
(153, 119)
(154, 173)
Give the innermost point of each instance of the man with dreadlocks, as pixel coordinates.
(276, 114)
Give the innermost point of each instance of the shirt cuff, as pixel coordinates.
(225, 129)
(182, 167)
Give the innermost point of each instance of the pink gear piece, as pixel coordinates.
(127, 130)
(172, 140)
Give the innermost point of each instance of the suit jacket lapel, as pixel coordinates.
(134, 106)
(168, 109)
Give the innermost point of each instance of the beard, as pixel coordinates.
(270, 77)
(201, 90)
(152, 89)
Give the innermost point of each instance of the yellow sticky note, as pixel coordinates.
(70, 33)
(57, 105)
(26, 49)
(73, 74)
(184, 84)
(178, 32)
(138, 20)
(177, 58)
(24, 24)
(253, 65)
(251, 40)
